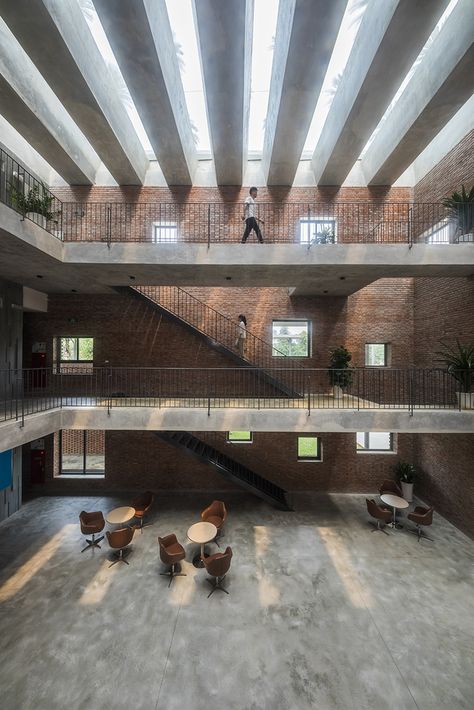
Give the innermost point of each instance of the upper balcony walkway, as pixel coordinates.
(37, 402)
(331, 248)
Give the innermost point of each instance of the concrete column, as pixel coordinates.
(390, 37)
(305, 37)
(29, 105)
(442, 82)
(57, 38)
(141, 38)
(224, 32)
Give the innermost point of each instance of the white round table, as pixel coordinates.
(120, 516)
(201, 533)
(396, 503)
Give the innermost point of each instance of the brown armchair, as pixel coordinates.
(421, 516)
(216, 513)
(390, 486)
(91, 524)
(217, 567)
(142, 505)
(118, 540)
(381, 514)
(171, 552)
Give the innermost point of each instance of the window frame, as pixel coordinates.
(309, 222)
(164, 225)
(387, 354)
(84, 473)
(292, 321)
(319, 450)
(60, 366)
(239, 441)
(368, 450)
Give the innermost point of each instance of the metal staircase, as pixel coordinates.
(219, 332)
(228, 467)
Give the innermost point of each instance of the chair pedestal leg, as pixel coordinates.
(120, 558)
(421, 535)
(172, 574)
(216, 583)
(93, 543)
(377, 527)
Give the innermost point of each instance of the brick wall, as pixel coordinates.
(455, 169)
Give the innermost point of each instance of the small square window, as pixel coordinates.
(80, 453)
(317, 231)
(75, 355)
(381, 441)
(165, 232)
(310, 448)
(239, 437)
(377, 354)
(290, 338)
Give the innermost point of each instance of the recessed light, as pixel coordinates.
(73, 290)
(324, 291)
(343, 278)
(228, 278)
(39, 276)
(132, 278)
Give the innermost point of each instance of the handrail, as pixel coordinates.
(31, 390)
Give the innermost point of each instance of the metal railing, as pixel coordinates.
(28, 196)
(215, 325)
(28, 391)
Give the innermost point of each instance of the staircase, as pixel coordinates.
(230, 469)
(220, 333)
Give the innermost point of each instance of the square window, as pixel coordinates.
(76, 355)
(165, 232)
(381, 441)
(80, 453)
(239, 437)
(377, 354)
(290, 338)
(317, 231)
(310, 448)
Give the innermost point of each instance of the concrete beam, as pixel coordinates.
(29, 105)
(305, 37)
(141, 38)
(224, 31)
(440, 85)
(57, 38)
(390, 37)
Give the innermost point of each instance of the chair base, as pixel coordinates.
(141, 525)
(421, 535)
(197, 560)
(172, 574)
(377, 527)
(120, 555)
(216, 583)
(93, 543)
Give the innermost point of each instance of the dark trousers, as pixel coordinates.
(251, 223)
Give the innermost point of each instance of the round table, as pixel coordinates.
(394, 502)
(201, 533)
(120, 516)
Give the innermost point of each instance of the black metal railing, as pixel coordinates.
(215, 325)
(28, 196)
(28, 391)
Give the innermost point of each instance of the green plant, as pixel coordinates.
(38, 199)
(340, 373)
(325, 236)
(405, 472)
(461, 207)
(459, 361)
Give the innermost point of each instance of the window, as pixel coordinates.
(76, 355)
(310, 448)
(239, 437)
(81, 453)
(377, 354)
(165, 232)
(317, 231)
(290, 338)
(381, 441)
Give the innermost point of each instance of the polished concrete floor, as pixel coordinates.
(322, 613)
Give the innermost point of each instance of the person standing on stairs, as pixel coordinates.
(250, 216)
(242, 336)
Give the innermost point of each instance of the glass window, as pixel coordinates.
(317, 231)
(81, 453)
(377, 354)
(309, 448)
(76, 355)
(374, 441)
(165, 232)
(290, 338)
(239, 437)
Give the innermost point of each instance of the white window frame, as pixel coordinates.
(310, 459)
(239, 441)
(379, 452)
(290, 322)
(165, 232)
(387, 354)
(309, 229)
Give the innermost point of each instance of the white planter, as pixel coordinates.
(38, 219)
(407, 491)
(337, 392)
(465, 400)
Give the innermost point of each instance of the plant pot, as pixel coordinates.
(337, 392)
(37, 218)
(407, 491)
(465, 400)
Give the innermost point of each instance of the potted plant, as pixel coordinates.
(406, 474)
(35, 204)
(459, 361)
(340, 374)
(460, 207)
(325, 236)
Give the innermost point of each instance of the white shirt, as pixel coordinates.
(249, 207)
(242, 330)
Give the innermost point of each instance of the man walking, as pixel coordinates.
(251, 220)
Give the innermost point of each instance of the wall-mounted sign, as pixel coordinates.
(38, 348)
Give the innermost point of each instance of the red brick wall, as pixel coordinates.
(455, 169)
